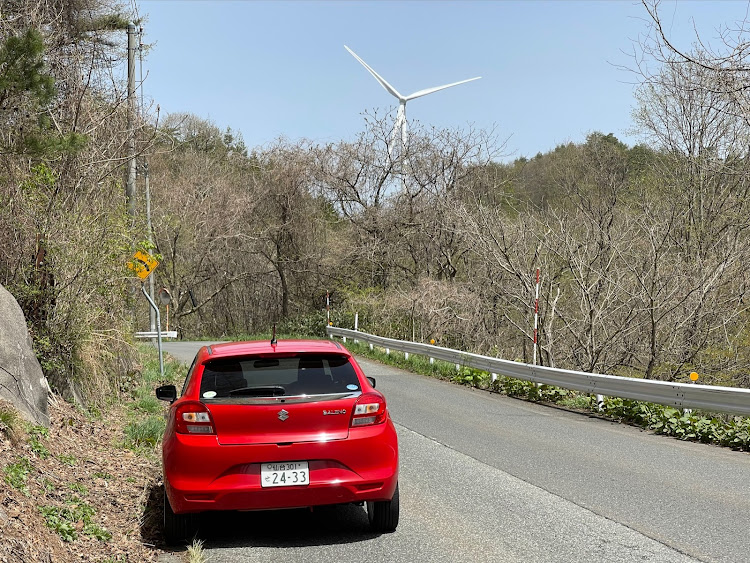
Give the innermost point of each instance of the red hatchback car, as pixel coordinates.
(264, 426)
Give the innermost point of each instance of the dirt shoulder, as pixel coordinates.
(75, 493)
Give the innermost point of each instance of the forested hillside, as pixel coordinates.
(641, 249)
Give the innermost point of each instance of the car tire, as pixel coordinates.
(178, 527)
(383, 515)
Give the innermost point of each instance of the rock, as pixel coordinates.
(21, 379)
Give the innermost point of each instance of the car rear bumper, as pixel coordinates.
(201, 475)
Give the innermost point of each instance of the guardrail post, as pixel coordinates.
(387, 351)
(406, 355)
(693, 378)
(370, 346)
(432, 361)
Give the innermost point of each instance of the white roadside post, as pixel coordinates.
(536, 315)
(536, 321)
(693, 379)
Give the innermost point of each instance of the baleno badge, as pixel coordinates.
(338, 411)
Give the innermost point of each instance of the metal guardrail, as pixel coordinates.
(679, 395)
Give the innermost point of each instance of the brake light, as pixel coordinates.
(193, 418)
(369, 409)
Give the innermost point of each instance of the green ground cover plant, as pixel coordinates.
(64, 520)
(17, 474)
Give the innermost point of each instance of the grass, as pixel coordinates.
(146, 423)
(149, 405)
(195, 552)
(144, 434)
(10, 422)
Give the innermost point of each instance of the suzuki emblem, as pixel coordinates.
(283, 415)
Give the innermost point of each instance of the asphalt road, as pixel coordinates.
(489, 478)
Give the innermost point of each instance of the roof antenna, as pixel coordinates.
(273, 338)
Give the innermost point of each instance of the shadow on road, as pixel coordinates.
(328, 525)
(287, 528)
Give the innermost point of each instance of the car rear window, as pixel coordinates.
(265, 377)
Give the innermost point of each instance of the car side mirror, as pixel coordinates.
(371, 380)
(167, 393)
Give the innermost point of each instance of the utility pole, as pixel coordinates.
(152, 314)
(147, 187)
(130, 186)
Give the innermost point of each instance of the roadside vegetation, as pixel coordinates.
(88, 487)
(698, 426)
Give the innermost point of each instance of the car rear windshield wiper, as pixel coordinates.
(259, 391)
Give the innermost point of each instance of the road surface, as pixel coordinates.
(488, 478)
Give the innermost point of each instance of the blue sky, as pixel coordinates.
(269, 69)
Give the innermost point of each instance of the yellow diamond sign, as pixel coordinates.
(143, 264)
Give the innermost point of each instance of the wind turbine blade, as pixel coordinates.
(436, 88)
(390, 89)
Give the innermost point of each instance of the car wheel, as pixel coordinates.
(178, 527)
(383, 515)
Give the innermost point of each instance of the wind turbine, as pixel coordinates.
(401, 114)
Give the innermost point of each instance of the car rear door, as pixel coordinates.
(306, 398)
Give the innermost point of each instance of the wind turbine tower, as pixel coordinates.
(401, 114)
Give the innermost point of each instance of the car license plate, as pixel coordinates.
(287, 474)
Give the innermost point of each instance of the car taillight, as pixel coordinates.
(369, 409)
(193, 418)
